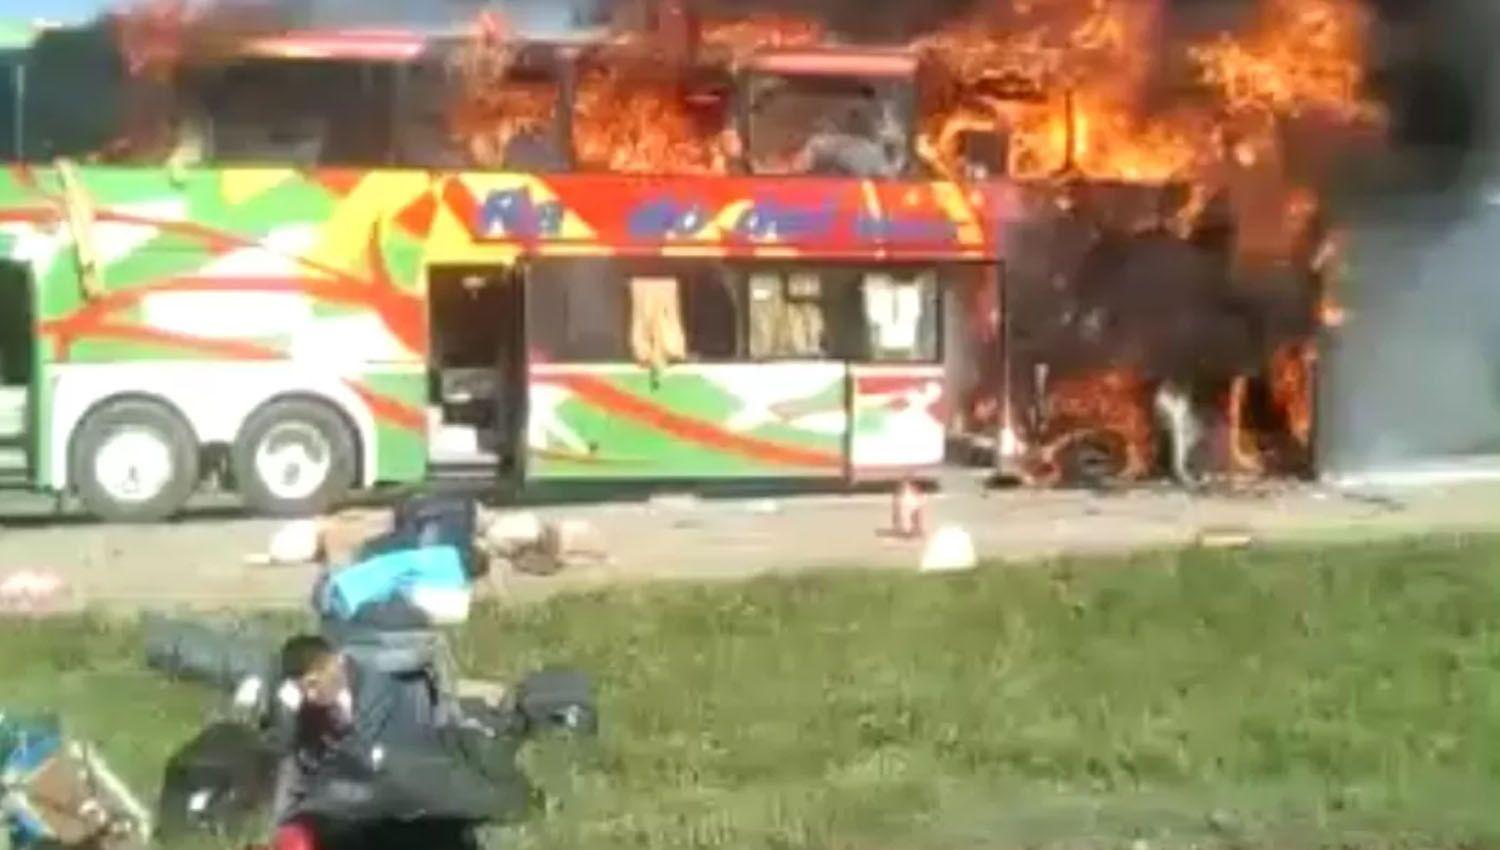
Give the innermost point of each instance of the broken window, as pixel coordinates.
(630, 118)
(498, 104)
(831, 126)
(305, 113)
(426, 126)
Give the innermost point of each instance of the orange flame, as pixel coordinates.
(1305, 56)
(492, 107)
(642, 126)
(758, 31)
(1113, 400)
(1292, 388)
(1067, 80)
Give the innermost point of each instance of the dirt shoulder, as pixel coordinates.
(203, 561)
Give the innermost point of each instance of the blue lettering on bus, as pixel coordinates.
(768, 219)
(660, 218)
(926, 229)
(513, 212)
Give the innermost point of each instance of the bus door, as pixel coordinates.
(897, 395)
(18, 387)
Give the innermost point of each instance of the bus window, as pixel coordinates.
(492, 109)
(578, 312)
(826, 126)
(425, 131)
(900, 317)
(688, 307)
(711, 315)
(656, 335)
(799, 314)
(300, 113)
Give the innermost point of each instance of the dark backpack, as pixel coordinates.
(220, 783)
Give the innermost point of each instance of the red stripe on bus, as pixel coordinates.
(612, 399)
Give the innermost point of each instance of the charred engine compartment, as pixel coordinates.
(1141, 344)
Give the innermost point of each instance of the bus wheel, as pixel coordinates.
(134, 461)
(294, 458)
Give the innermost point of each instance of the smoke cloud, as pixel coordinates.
(1413, 379)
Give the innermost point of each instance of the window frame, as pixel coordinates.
(903, 93)
(745, 269)
(379, 86)
(736, 275)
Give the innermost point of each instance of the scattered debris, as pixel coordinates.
(293, 544)
(536, 562)
(508, 534)
(57, 792)
(950, 549)
(562, 543)
(1224, 538)
(674, 502)
(34, 592)
(571, 540)
(1375, 500)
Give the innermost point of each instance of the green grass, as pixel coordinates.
(1280, 698)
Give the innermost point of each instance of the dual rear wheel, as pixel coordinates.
(138, 460)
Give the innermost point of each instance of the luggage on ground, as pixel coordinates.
(431, 579)
(56, 792)
(220, 782)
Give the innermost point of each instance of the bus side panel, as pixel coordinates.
(899, 422)
(688, 421)
(400, 451)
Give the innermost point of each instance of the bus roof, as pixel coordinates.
(836, 62)
(356, 45)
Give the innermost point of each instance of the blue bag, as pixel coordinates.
(390, 576)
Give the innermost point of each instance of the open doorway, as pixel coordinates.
(477, 366)
(17, 365)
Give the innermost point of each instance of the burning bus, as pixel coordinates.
(300, 263)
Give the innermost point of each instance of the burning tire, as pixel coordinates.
(134, 460)
(295, 458)
(1093, 459)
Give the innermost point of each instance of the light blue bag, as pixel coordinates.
(390, 576)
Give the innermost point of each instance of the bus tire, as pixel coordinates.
(294, 458)
(134, 460)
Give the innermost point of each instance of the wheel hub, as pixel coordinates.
(293, 461)
(134, 465)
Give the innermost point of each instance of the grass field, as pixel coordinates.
(1282, 698)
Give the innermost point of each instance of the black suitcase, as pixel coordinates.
(558, 700)
(219, 783)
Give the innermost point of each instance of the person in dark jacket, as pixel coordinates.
(317, 715)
